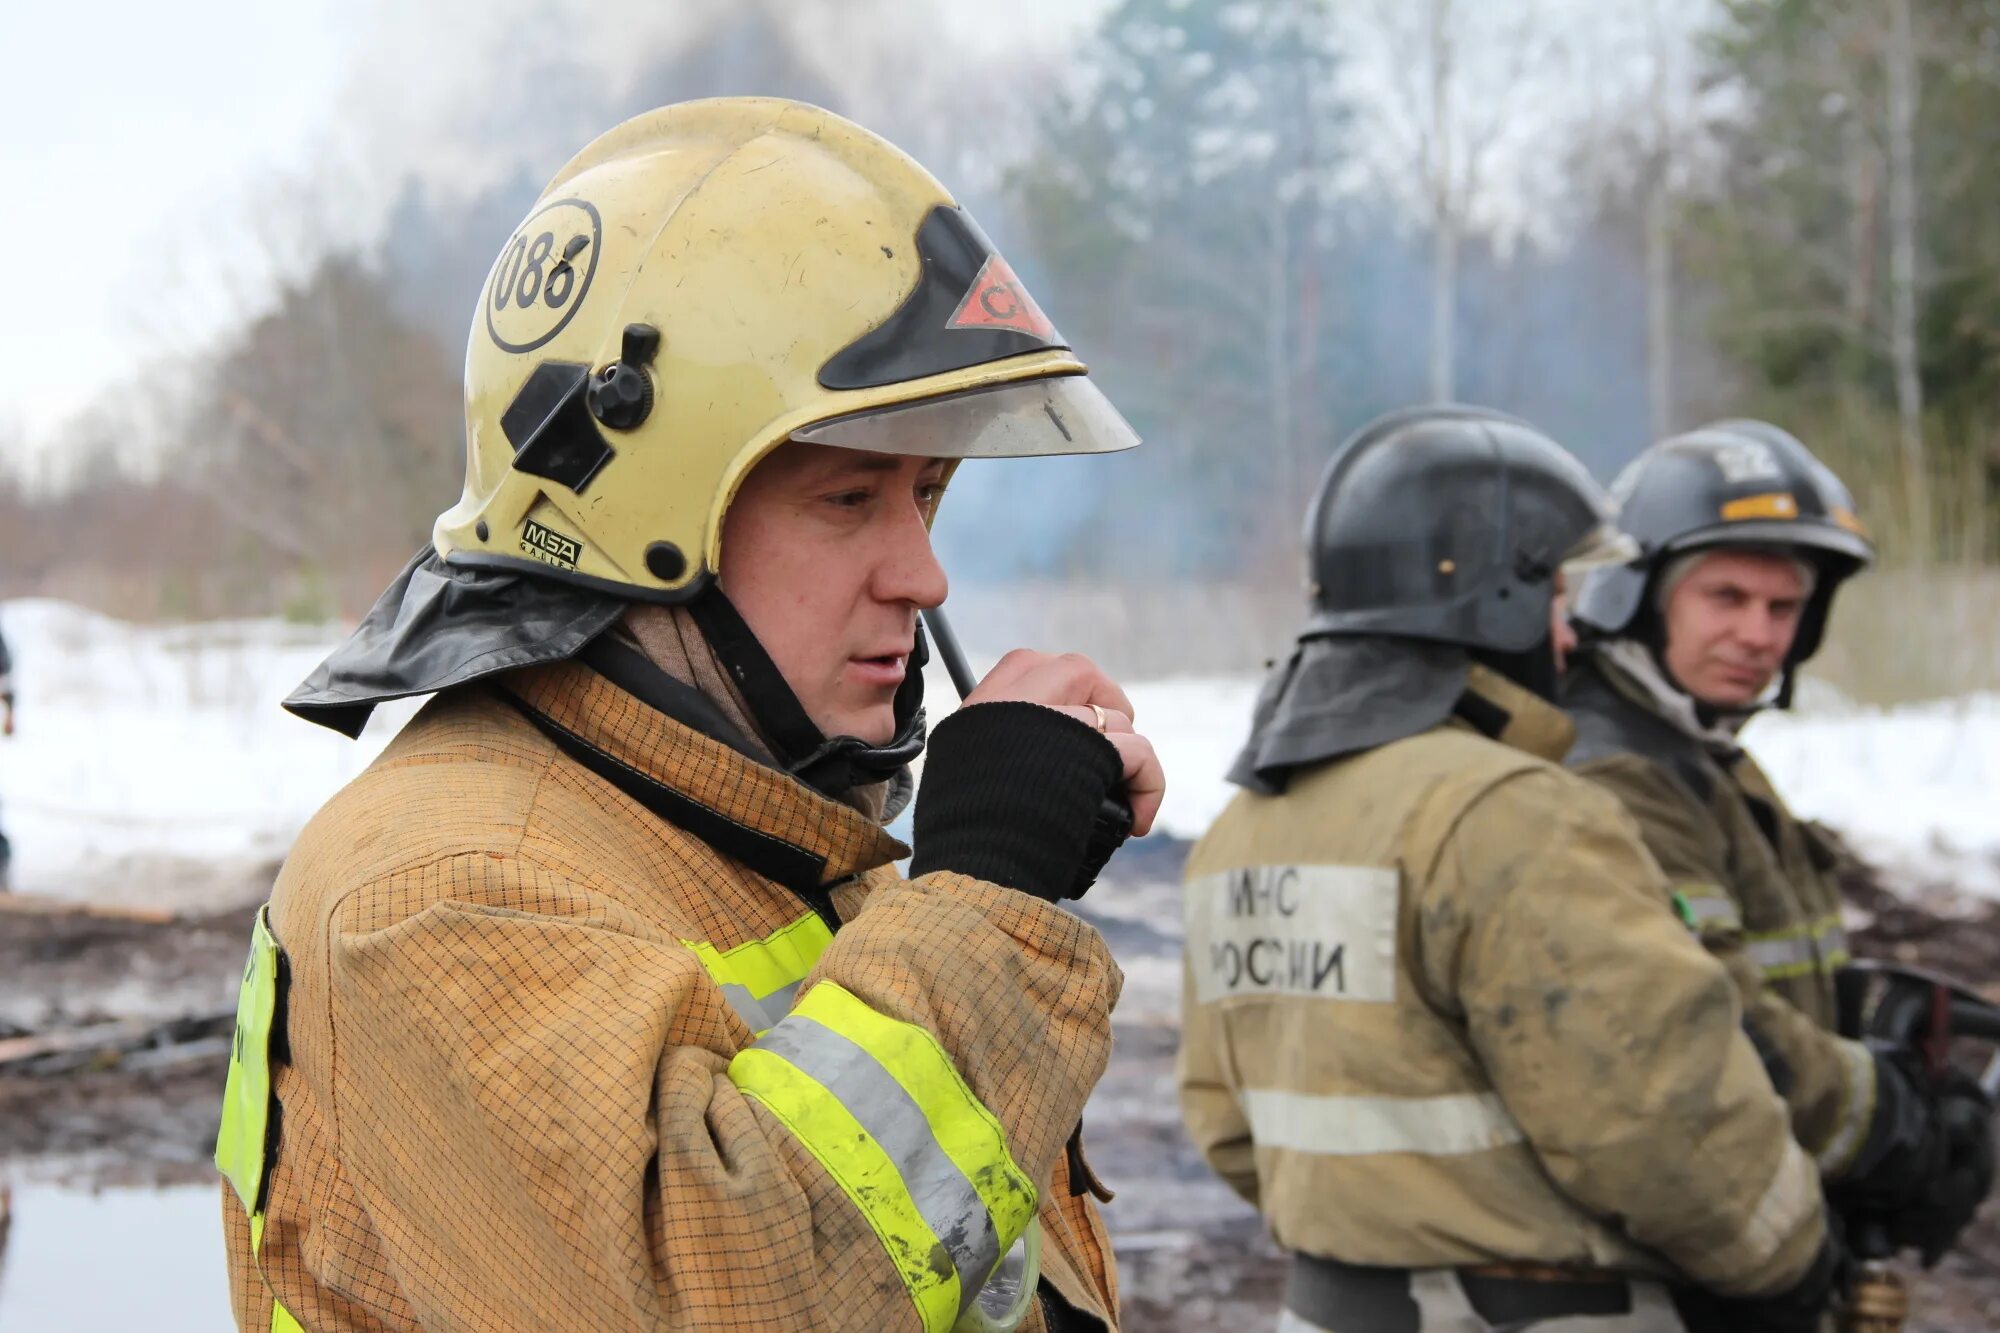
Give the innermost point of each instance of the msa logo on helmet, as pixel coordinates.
(551, 548)
(541, 278)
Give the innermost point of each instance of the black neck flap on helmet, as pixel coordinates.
(1433, 541)
(439, 625)
(1731, 484)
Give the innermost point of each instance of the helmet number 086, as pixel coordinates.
(521, 275)
(543, 275)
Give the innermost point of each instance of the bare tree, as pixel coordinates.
(1899, 61)
(1447, 85)
(1857, 69)
(1659, 229)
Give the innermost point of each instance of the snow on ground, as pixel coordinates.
(145, 754)
(143, 747)
(1916, 788)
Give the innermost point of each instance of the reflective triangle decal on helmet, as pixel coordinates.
(967, 308)
(997, 300)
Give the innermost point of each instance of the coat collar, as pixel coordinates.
(746, 810)
(1630, 668)
(1514, 716)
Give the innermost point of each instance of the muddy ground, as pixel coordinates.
(1192, 1257)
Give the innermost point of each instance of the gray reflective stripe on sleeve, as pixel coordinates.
(1706, 909)
(746, 1006)
(779, 1002)
(944, 1198)
(1857, 1109)
(1288, 1322)
(760, 1014)
(1343, 1126)
(1800, 950)
(1784, 955)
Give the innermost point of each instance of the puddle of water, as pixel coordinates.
(120, 1258)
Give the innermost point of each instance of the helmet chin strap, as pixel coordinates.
(831, 766)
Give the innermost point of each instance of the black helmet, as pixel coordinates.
(1433, 543)
(1733, 483)
(1448, 523)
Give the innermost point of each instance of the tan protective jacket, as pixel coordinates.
(524, 1087)
(1756, 884)
(1439, 1012)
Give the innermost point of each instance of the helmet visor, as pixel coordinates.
(1602, 546)
(1063, 414)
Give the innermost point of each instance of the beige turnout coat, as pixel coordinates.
(1440, 1012)
(1754, 882)
(520, 1082)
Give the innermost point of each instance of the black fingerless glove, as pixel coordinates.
(1009, 795)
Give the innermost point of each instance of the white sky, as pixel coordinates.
(155, 155)
(140, 139)
(124, 125)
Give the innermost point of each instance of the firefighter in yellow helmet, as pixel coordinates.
(598, 1000)
(1442, 1026)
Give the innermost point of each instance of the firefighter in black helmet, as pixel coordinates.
(1440, 1024)
(1746, 538)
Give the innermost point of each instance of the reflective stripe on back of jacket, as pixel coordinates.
(1439, 1012)
(1757, 886)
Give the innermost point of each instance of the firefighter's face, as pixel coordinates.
(1730, 622)
(826, 553)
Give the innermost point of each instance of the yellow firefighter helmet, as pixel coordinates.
(705, 282)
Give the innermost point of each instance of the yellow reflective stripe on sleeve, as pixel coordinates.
(1798, 951)
(878, 1102)
(776, 961)
(242, 1145)
(759, 977)
(246, 1095)
(965, 1129)
(865, 1173)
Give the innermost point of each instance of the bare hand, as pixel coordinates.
(1071, 683)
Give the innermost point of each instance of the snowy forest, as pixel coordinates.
(1261, 221)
